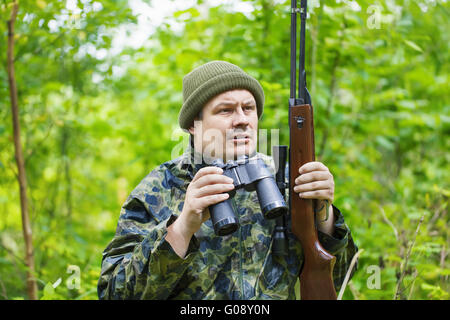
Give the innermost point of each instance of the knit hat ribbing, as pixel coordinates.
(213, 78)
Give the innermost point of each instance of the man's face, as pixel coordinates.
(228, 126)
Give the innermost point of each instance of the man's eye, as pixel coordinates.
(249, 107)
(225, 110)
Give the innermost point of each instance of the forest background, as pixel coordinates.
(99, 87)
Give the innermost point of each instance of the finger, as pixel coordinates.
(212, 179)
(214, 189)
(318, 194)
(312, 166)
(205, 202)
(313, 186)
(205, 171)
(314, 176)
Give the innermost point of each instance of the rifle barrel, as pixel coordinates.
(301, 57)
(293, 50)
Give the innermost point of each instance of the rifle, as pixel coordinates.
(316, 275)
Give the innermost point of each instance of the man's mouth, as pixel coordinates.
(241, 138)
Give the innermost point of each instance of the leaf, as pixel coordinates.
(9, 243)
(384, 142)
(41, 4)
(49, 292)
(413, 46)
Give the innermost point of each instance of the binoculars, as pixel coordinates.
(250, 174)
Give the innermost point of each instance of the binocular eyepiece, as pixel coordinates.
(250, 174)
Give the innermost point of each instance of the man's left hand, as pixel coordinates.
(316, 182)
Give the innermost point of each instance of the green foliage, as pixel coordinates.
(96, 119)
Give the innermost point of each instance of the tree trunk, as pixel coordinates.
(26, 227)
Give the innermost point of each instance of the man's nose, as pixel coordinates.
(240, 118)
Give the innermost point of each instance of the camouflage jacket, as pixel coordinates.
(140, 264)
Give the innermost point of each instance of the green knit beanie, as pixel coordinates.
(211, 79)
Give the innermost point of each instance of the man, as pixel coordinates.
(165, 246)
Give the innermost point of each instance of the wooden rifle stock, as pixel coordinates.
(316, 278)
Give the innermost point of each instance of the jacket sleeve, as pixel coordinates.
(139, 263)
(341, 245)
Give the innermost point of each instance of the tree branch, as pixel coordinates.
(349, 271)
(405, 265)
(26, 226)
(389, 222)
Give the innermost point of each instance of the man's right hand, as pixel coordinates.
(208, 187)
